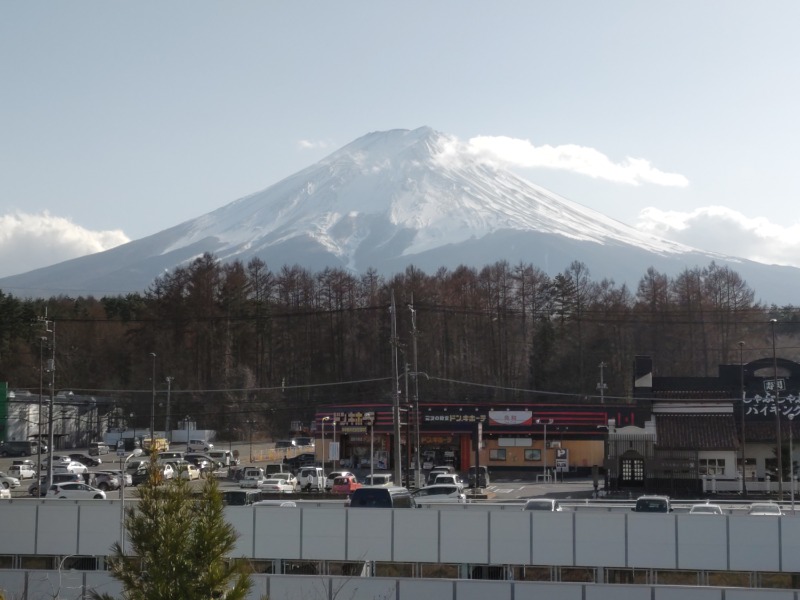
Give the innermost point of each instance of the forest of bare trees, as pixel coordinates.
(244, 340)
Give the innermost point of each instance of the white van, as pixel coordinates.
(199, 446)
(311, 479)
(225, 457)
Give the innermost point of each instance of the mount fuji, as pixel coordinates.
(388, 200)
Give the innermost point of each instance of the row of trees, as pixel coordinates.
(242, 342)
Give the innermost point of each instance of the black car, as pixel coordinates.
(89, 461)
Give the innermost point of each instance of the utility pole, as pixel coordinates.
(602, 385)
(417, 470)
(153, 406)
(398, 473)
(167, 428)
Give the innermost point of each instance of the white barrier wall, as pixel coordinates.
(71, 584)
(583, 539)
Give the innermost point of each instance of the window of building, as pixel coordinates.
(632, 469)
(497, 454)
(533, 454)
(711, 466)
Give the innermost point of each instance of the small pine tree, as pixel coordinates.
(179, 545)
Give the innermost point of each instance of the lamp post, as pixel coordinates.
(250, 422)
(545, 422)
(334, 446)
(773, 322)
(791, 462)
(744, 440)
(370, 418)
(323, 442)
(167, 428)
(42, 340)
(123, 465)
(153, 406)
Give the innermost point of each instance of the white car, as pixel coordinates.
(440, 493)
(288, 477)
(546, 504)
(189, 471)
(199, 446)
(705, 509)
(22, 469)
(75, 491)
(8, 482)
(765, 509)
(276, 486)
(72, 466)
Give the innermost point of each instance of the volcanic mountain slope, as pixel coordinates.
(387, 200)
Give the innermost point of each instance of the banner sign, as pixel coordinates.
(510, 417)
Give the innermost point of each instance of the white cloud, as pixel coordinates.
(313, 145)
(723, 230)
(29, 241)
(569, 157)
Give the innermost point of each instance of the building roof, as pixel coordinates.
(696, 431)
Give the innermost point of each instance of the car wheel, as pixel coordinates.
(103, 486)
(98, 497)
(63, 497)
(5, 484)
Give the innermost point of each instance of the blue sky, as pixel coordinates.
(118, 120)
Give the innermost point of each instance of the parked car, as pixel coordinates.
(284, 503)
(449, 478)
(199, 446)
(224, 458)
(311, 479)
(547, 504)
(252, 477)
(483, 477)
(57, 459)
(653, 504)
(203, 462)
(346, 484)
(71, 466)
(276, 486)
(240, 497)
(331, 476)
(171, 454)
(98, 448)
(765, 509)
(381, 497)
(76, 491)
(705, 509)
(384, 479)
(105, 481)
(33, 489)
(119, 475)
(189, 471)
(443, 493)
(8, 482)
(288, 477)
(89, 461)
(22, 469)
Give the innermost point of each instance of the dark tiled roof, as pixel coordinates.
(765, 431)
(697, 431)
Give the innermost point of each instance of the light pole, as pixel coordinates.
(134, 429)
(545, 422)
(744, 440)
(42, 340)
(153, 406)
(370, 418)
(791, 461)
(773, 322)
(334, 447)
(323, 442)
(167, 428)
(250, 422)
(123, 465)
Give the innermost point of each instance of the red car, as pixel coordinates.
(345, 485)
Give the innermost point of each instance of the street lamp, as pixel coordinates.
(777, 413)
(42, 340)
(123, 466)
(167, 427)
(545, 422)
(323, 442)
(153, 407)
(334, 447)
(370, 418)
(791, 461)
(744, 440)
(250, 422)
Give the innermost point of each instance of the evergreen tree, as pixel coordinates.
(179, 545)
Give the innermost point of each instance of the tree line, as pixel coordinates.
(245, 344)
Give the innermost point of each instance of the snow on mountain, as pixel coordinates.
(387, 200)
(402, 181)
